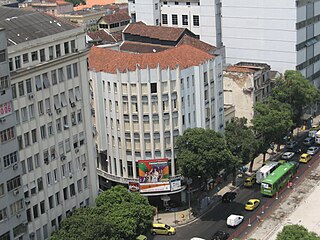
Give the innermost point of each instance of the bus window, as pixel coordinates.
(266, 185)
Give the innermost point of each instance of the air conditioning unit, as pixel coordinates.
(63, 157)
(58, 110)
(30, 96)
(76, 150)
(66, 126)
(27, 201)
(2, 120)
(50, 113)
(18, 215)
(15, 166)
(16, 192)
(46, 161)
(70, 175)
(73, 104)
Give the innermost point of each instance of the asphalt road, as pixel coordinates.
(215, 218)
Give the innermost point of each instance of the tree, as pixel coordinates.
(202, 152)
(119, 214)
(242, 141)
(297, 91)
(272, 122)
(294, 232)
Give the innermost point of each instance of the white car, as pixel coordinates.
(197, 238)
(312, 150)
(234, 220)
(287, 155)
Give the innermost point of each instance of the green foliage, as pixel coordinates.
(119, 214)
(294, 232)
(297, 92)
(241, 140)
(273, 120)
(202, 152)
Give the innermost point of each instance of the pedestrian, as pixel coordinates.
(290, 184)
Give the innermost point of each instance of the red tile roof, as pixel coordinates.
(102, 35)
(116, 17)
(156, 32)
(240, 69)
(196, 43)
(139, 47)
(107, 60)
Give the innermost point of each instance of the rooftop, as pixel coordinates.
(91, 3)
(24, 25)
(105, 37)
(240, 69)
(183, 56)
(116, 17)
(155, 32)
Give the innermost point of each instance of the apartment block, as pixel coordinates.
(56, 158)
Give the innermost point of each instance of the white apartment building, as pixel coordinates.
(143, 102)
(50, 98)
(202, 17)
(284, 34)
(12, 214)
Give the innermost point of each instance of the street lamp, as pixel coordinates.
(189, 181)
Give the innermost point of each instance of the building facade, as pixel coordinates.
(48, 67)
(143, 102)
(202, 17)
(12, 214)
(245, 84)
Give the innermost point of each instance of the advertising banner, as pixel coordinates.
(154, 175)
(5, 109)
(133, 186)
(175, 183)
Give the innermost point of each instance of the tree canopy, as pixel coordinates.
(119, 214)
(295, 90)
(294, 232)
(242, 141)
(202, 152)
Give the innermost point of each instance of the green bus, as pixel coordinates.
(278, 178)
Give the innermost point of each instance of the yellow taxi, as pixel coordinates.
(305, 157)
(163, 229)
(250, 181)
(252, 204)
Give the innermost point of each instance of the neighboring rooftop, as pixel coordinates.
(116, 17)
(183, 56)
(103, 37)
(247, 67)
(24, 25)
(139, 47)
(91, 3)
(156, 32)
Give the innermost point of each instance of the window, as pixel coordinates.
(21, 88)
(4, 82)
(36, 160)
(9, 159)
(75, 70)
(6, 134)
(2, 55)
(49, 178)
(54, 77)
(58, 50)
(57, 198)
(20, 143)
(72, 190)
(46, 82)
(17, 60)
(25, 58)
(174, 19)
(77, 93)
(27, 139)
(51, 203)
(1, 190)
(13, 183)
(85, 182)
(30, 164)
(24, 114)
(51, 56)
(66, 47)
(184, 20)
(69, 72)
(61, 75)
(40, 184)
(28, 85)
(65, 193)
(43, 132)
(58, 125)
(42, 55)
(31, 111)
(79, 185)
(38, 82)
(196, 20)
(34, 56)
(35, 211)
(73, 46)
(153, 87)
(55, 175)
(42, 207)
(10, 64)
(156, 6)
(63, 99)
(50, 129)
(164, 19)
(3, 216)
(40, 108)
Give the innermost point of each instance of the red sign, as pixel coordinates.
(5, 109)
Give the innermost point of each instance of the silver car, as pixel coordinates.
(312, 150)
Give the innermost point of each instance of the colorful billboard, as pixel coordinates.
(154, 175)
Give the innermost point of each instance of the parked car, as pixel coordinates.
(250, 181)
(229, 197)
(252, 204)
(287, 155)
(163, 229)
(141, 237)
(291, 144)
(313, 150)
(305, 157)
(220, 235)
(308, 141)
(197, 238)
(234, 220)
